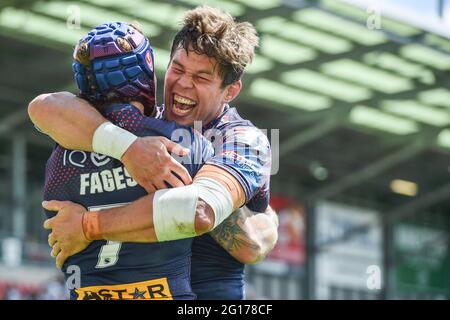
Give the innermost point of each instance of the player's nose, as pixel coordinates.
(185, 81)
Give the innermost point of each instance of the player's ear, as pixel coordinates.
(232, 90)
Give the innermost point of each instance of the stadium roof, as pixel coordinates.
(357, 107)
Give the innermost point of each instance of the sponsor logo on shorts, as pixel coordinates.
(157, 289)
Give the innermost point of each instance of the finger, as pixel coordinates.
(51, 240)
(160, 184)
(54, 205)
(175, 148)
(48, 224)
(60, 259)
(150, 188)
(180, 171)
(55, 250)
(173, 181)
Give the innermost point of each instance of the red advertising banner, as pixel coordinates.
(290, 247)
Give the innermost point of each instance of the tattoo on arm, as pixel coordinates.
(230, 234)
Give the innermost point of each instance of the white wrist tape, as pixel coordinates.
(112, 140)
(174, 209)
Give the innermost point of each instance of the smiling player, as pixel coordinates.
(208, 58)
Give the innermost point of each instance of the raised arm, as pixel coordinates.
(74, 124)
(68, 120)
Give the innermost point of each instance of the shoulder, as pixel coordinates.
(249, 135)
(232, 124)
(230, 117)
(246, 138)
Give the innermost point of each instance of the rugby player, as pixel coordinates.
(208, 57)
(113, 67)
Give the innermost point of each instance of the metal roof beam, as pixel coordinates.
(433, 197)
(328, 120)
(372, 170)
(304, 137)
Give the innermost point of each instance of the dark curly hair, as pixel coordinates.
(215, 33)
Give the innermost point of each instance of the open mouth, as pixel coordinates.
(182, 105)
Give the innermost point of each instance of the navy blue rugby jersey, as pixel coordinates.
(119, 270)
(244, 151)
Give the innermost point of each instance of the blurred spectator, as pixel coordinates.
(13, 293)
(55, 289)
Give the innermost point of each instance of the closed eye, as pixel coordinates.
(204, 79)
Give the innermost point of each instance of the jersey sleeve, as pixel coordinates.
(246, 154)
(131, 119)
(201, 150)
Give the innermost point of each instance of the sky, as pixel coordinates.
(422, 13)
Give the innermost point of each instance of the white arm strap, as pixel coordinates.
(112, 140)
(174, 209)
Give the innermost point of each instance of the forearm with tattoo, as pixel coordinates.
(232, 235)
(248, 236)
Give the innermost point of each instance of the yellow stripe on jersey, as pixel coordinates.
(156, 289)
